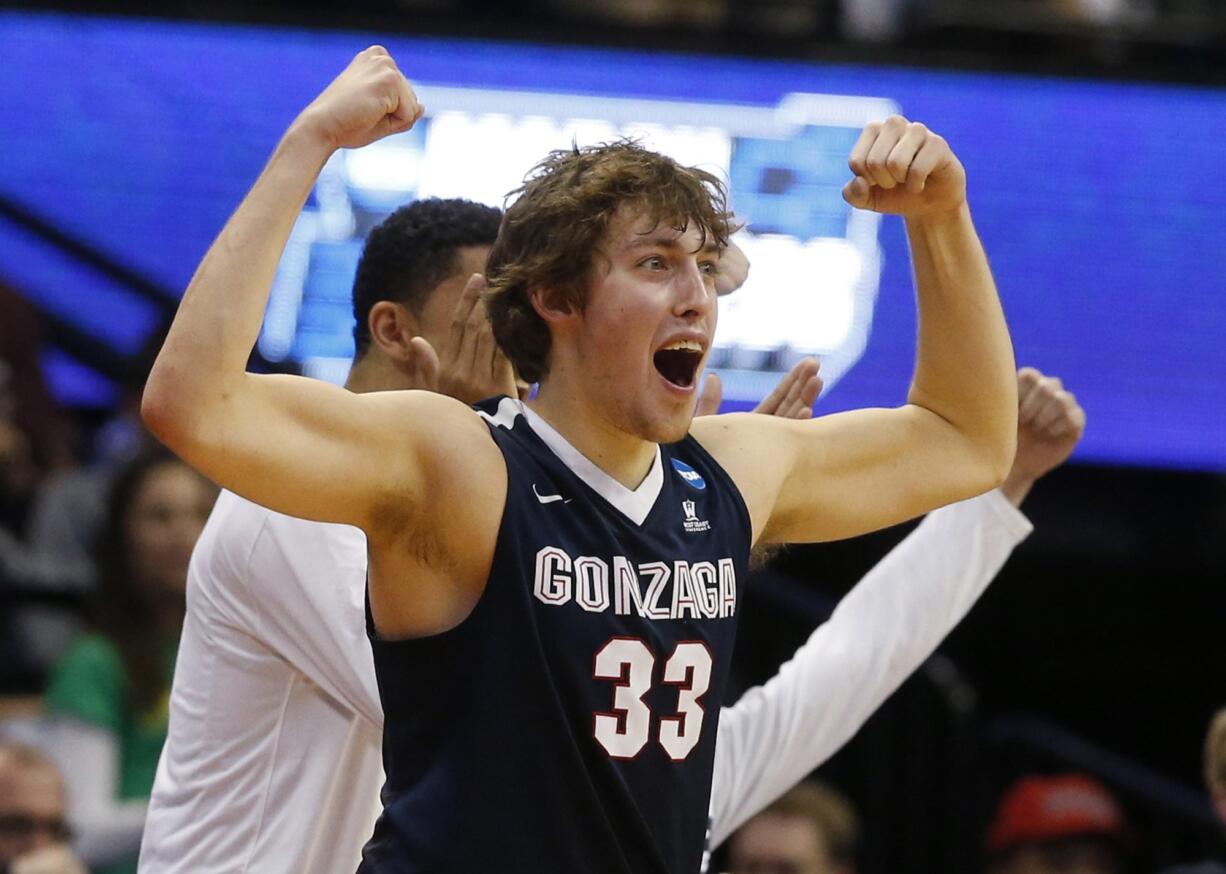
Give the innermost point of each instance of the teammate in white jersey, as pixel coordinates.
(273, 760)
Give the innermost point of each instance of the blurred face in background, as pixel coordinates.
(1073, 856)
(167, 514)
(774, 843)
(32, 809)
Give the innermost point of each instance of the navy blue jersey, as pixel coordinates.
(568, 724)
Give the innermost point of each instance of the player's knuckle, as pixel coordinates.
(917, 127)
(895, 122)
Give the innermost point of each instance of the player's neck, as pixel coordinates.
(624, 456)
(374, 372)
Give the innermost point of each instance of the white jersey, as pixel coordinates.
(272, 762)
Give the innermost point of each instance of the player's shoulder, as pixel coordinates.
(425, 412)
(717, 432)
(451, 440)
(736, 441)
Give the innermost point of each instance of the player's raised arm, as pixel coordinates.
(296, 445)
(852, 472)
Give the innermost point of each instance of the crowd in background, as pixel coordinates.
(93, 564)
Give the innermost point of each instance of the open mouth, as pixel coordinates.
(679, 363)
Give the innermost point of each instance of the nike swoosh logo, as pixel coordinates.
(548, 499)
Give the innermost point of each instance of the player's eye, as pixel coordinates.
(709, 268)
(654, 262)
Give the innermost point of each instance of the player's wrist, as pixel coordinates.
(941, 218)
(311, 135)
(1017, 486)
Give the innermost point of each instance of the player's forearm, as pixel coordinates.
(964, 363)
(203, 361)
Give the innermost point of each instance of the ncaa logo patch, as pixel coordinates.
(692, 478)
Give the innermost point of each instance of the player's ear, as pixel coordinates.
(392, 326)
(552, 305)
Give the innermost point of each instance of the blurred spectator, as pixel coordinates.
(1215, 782)
(33, 435)
(1102, 12)
(63, 525)
(1215, 763)
(812, 829)
(647, 13)
(1069, 824)
(873, 20)
(109, 692)
(69, 511)
(34, 832)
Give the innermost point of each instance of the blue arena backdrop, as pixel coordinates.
(1096, 200)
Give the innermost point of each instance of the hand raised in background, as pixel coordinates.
(1050, 424)
(733, 270)
(471, 366)
(792, 398)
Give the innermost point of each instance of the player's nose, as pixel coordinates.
(695, 292)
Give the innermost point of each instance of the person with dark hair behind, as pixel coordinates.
(108, 693)
(407, 256)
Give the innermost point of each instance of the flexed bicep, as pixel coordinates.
(310, 449)
(840, 475)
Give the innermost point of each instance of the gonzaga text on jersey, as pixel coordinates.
(652, 590)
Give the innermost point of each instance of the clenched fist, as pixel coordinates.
(905, 169)
(1050, 424)
(368, 101)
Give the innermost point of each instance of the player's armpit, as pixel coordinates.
(844, 474)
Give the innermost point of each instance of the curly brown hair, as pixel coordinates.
(561, 213)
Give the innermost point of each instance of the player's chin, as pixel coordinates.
(669, 421)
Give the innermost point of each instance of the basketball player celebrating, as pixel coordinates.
(274, 652)
(553, 591)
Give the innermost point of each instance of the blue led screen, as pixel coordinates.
(1096, 201)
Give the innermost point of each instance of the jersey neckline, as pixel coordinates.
(635, 504)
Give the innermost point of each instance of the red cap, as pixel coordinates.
(1037, 809)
